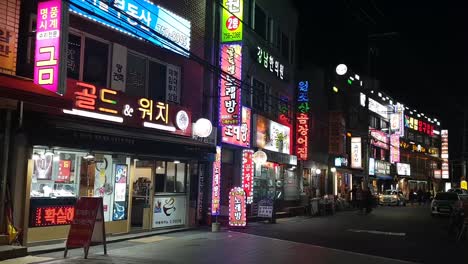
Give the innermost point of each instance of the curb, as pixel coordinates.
(143, 235)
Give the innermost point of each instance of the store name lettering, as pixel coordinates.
(270, 63)
(419, 125)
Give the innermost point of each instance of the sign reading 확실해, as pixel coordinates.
(231, 22)
(169, 211)
(88, 227)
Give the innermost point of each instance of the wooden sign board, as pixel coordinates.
(87, 228)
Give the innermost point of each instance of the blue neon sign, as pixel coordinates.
(138, 18)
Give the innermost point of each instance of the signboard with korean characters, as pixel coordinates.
(270, 63)
(135, 18)
(119, 67)
(302, 121)
(216, 183)
(419, 125)
(231, 21)
(379, 138)
(378, 108)
(9, 25)
(169, 211)
(229, 86)
(114, 106)
(394, 148)
(248, 174)
(237, 207)
(271, 135)
(382, 167)
(403, 169)
(239, 135)
(51, 215)
(49, 66)
(356, 153)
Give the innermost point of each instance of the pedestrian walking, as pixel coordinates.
(359, 198)
(420, 196)
(353, 197)
(411, 196)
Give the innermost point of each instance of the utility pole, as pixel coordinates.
(463, 146)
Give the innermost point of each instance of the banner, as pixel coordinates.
(302, 121)
(229, 85)
(119, 67)
(216, 183)
(248, 173)
(394, 148)
(237, 204)
(356, 153)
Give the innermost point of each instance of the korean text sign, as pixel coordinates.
(419, 125)
(247, 174)
(115, 106)
(139, 18)
(356, 152)
(394, 148)
(216, 183)
(239, 135)
(302, 121)
(52, 215)
(48, 37)
(444, 154)
(229, 87)
(231, 23)
(270, 63)
(379, 138)
(237, 204)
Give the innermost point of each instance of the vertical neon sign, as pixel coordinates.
(394, 148)
(216, 187)
(444, 154)
(229, 87)
(302, 121)
(247, 174)
(48, 39)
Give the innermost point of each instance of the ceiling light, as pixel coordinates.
(35, 156)
(176, 161)
(88, 156)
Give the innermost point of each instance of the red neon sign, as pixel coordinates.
(229, 88)
(237, 203)
(53, 215)
(216, 187)
(247, 174)
(239, 135)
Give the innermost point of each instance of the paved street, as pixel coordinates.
(207, 247)
(406, 233)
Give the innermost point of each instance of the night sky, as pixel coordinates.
(421, 58)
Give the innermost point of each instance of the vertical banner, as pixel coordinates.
(371, 166)
(239, 135)
(119, 67)
(9, 26)
(229, 84)
(302, 121)
(49, 71)
(173, 84)
(444, 154)
(237, 213)
(216, 187)
(356, 156)
(394, 148)
(247, 174)
(231, 21)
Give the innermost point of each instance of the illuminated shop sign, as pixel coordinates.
(382, 167)
(341, 162)
(216, 183)
(231, 23)
(239, 135)
(371, 166)
(403, 169)
(270, 63)
(444, 154)
(419, 125)
(139, 19)
(400, 118)
(229, 87)
(302, 121)
(237, 204)
(247, 174)
(47, 59)
(437, 174)
(394, 148)
(362, 99)
(52, 215)
(356, 153)
(272, 136)
(378, 108)
(114, 106)
(413, 147)
(379, 138)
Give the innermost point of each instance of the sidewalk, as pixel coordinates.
(228, 247)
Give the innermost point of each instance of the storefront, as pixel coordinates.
(147, 172)
(382, 179)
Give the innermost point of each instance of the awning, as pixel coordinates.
(22, 89)
(384, 177)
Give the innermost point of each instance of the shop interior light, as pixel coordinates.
(333, 169)
(203, 128)
(89, 156)
(318, 171)
(176, 161)
(35, 156)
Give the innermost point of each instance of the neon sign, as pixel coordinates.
(356, 152)
(231, 24)
(48, 38)
(379, 139)
(229, 87)
(302, 121)
(239, 135)
(270, 63)
(419, 125)
(444, 154)
(237, 215)
(139, 19)
(247, 174)
(216, 187)
(394, 148)
(115, 106)
(52, 215)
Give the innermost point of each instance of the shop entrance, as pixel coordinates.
(141, 197)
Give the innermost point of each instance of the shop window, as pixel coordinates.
(157, 81)
(374, 122)
(136, 75)
(258, 95)
(170, 177)
(96, 57)
(260, 22)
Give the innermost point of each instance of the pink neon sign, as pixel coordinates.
(216, 187)
(46, 59)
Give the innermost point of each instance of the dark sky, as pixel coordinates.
(422, 50)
